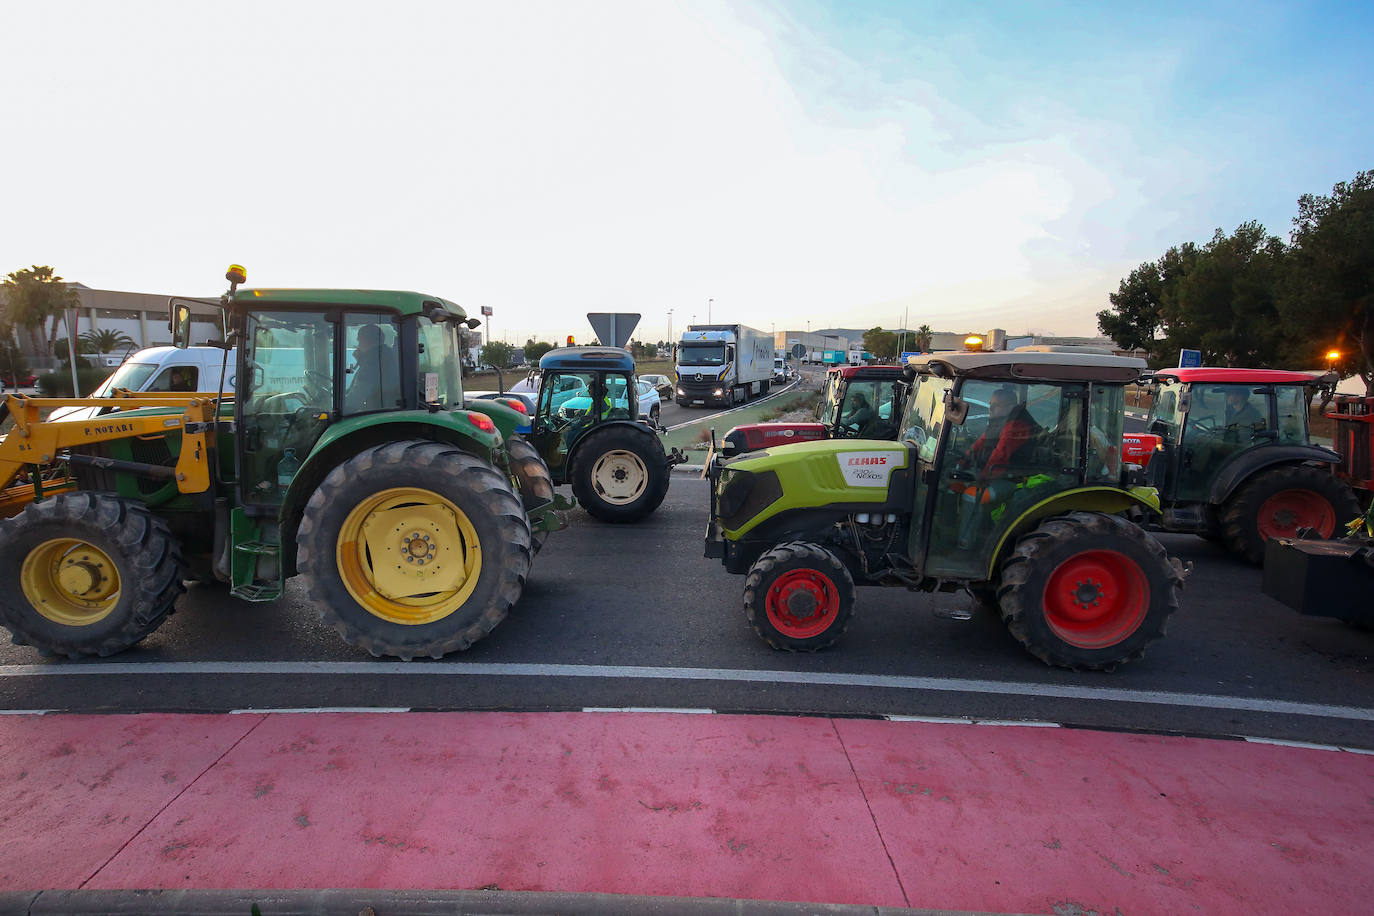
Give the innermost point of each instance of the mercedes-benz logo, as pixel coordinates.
(698, 376)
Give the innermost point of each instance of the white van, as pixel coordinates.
(159, 369)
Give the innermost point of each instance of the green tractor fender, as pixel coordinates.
(347, 438)
(1109, 500)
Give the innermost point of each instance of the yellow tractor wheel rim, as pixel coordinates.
(70, 582)
(408, 556)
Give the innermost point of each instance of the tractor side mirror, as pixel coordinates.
(956, 411)
(474, 323)
(179, 323)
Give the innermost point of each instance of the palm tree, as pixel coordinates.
(104, 341)
(924, 335)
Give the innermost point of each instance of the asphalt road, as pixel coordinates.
(633, 616)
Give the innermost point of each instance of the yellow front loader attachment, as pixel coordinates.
(33, 444)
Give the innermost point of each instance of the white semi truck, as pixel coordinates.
(722, 364)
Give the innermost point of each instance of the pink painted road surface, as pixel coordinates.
(963, 817)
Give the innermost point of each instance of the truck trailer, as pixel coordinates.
(722, 364)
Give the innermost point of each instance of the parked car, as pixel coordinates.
(26, 379)
(662, 384)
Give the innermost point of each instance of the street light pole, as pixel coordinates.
(670, 327)
(708, 310)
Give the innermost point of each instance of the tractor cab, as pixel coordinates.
(1234, 459)
(995, 438)
(1208, 419)
(859, 402)
(580, 388)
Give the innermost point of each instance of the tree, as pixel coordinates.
(1327, 299)
(882, 344)
(535, 349)
(1226, 305)
(924, 335)
(104, 341)
(32, 296)
(640, 350)
(496, 353)
(1136, 317)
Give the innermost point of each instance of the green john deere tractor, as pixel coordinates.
(347, 456)
(1003, 482)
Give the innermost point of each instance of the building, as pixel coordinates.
(142, 317)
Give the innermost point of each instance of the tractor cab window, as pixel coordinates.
(1163, 420)
(924, 415)
(288, 396)
(439, 359)
(1292, 405)
(371, 364)
(1223, 421)
(1019, 444)
(565, 410)
(1106, 425)
(867, 410)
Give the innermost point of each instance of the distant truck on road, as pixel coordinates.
(722, 364)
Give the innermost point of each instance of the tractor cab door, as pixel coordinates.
(1017, 444)
(565, 411)
(1221, 422)
(286, 397)
(865, 409)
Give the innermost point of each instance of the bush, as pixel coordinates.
(58, 383)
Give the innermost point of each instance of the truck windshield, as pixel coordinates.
(701, 355)
(129, 375)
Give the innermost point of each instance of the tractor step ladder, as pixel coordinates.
(247, 585)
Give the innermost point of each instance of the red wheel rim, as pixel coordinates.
(1285, 512)
(802, 603)
(1096, 599)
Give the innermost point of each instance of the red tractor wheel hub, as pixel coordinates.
(802, 603)
(1096, 599)
(1281, 515)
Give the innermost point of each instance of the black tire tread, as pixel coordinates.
(535, 481)
(420, 459)
(633, 437)
(152, 570)
(1239, 530)
(1017, 603)
(801, 553)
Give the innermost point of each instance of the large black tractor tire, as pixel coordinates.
(1277, 502)
(87, 574)
(535, 481)
(799, 597)
(1088, 591)
(414, 548)
(620, 473)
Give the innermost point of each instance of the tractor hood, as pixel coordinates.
(851, 473)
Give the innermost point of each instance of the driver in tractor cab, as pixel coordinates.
(860, 413)
(376, 371)
(1241, 415)
(1004, 445)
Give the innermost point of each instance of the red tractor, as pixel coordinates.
(860, 402)
(1233, 461)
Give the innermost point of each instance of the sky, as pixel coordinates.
(966, 165)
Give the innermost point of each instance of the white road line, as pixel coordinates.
(970, 720)
(884, 681)
(274, 710)
(1282, 743)
(731, 410)
(684, 711)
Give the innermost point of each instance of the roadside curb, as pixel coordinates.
(367, 902)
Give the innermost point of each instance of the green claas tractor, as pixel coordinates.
(346, 456)
(588, 429)
(1003, 481)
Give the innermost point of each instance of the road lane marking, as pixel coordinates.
(684, 711)
(274, 710)
(623, 672)
(971, 720)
